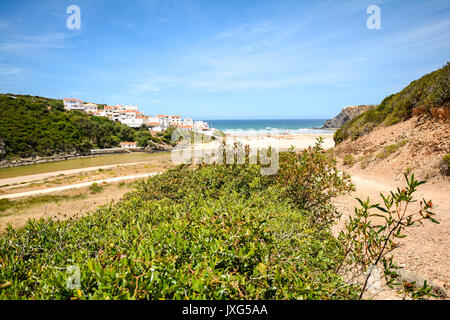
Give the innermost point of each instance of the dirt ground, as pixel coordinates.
(66, 209)
(62, 178)
(377, 162)
(79, 201)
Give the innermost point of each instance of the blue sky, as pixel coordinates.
(220, 59)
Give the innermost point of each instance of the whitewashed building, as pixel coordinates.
(73, 104)
(188, 122)
(201, 126)
(128, 145)
(113, 113)
(90, 107)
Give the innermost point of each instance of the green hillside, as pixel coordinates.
(432, 90)
(31, 126)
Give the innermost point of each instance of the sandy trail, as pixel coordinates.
(75, 186)
(425, 250)
(41, 176)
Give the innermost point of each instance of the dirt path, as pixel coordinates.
(74, 186)
(425, 250)
(41, 176)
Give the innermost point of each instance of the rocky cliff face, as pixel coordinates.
(347, 114)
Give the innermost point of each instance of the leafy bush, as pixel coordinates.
(310, 179)
(349, 160)
(95, 188)
(432, 90)
(214, 232)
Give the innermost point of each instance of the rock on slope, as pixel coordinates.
(347, 114)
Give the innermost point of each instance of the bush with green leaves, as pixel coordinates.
(212, 232)
(310, 180)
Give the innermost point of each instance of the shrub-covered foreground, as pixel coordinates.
(215, 232)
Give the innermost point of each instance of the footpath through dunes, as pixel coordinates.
(377, 162)
(75, 186)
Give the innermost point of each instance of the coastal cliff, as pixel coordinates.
(347, 114)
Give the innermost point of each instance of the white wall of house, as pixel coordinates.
(188, 122)
(73, 104)
(90, 107)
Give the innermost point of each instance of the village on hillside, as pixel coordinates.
(131, 116)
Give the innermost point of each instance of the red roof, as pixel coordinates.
(181, 126)
(70, 99)
(153, 123)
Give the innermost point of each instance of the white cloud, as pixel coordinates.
(8, 70)
(22, 42)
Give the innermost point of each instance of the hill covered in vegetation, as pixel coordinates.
(35, 126)
(429, 95)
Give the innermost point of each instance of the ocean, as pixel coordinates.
(289, 126)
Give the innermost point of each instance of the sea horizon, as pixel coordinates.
(255, 126)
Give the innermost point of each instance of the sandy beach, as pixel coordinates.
(281, 142)
(284, 142)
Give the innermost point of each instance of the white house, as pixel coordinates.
(165, 120)
(188, 122)
(73, 104)
(176, 120)
(183, 127)
(90, 107)
(201, 126)
(113, 113)
(128, 144)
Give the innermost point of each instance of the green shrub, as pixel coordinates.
(95, 188)
(349, 160)
(310, 179)
(215, 232)
(390, 149)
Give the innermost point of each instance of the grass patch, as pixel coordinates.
(390, 149)
(349, 160)
(6, 204)
(96, 188)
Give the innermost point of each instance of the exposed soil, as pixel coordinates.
(416, 145)
(421, 145)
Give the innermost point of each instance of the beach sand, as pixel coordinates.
(284, 142)
(281, 142)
